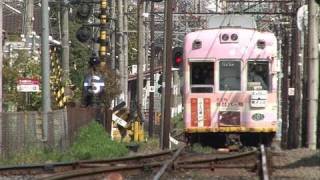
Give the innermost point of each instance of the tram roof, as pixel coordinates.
(241, 21)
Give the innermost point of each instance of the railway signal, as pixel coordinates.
(177, 57)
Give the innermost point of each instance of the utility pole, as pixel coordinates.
(141, 56)
(151, 93)
(46, 99)
(125, 50)
(313, 74)
(305, 87)
(65, 43)
(295, 101)
(29, 18)
(168, 75)
(285, 86)
(1, 61)
(121, 55)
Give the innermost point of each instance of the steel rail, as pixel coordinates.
(100, 170)
(215, 159)
(52, 166)
(213, 166)
(168, 163)
(264, 163)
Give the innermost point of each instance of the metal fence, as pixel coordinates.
(22, 130)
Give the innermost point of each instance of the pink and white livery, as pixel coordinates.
(230, 85)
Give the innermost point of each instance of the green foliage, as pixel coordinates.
(24, 65)
(79, 56)
(112, 87)
(133, 39)
(177, 125)
(201, 149)
(149, 146)
(92, 142)
(178, 122)
(33, 155)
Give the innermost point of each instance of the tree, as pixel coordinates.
(24, 65)
(80, 54)
(79, 57)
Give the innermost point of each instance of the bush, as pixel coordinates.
(201, 149)
(178, 122)
(92, 142)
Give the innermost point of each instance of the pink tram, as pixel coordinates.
(230, 86)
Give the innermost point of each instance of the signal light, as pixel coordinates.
(178, 60)
(94, 59)
(177, 56)
(84, 11)
(83, 34)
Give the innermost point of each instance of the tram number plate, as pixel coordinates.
(258, 102)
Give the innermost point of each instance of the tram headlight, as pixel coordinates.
(234, 37)
(225, 37)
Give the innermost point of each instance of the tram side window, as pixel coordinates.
(202, 78)
(230, 76)
(258, 75)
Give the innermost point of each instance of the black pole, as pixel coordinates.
(168, 74)
(151, 94)
(285, 86)
(295, 101)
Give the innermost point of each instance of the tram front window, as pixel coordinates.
(258, 75)
(202, 79)
(230, 76)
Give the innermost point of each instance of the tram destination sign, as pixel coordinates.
(28, 85)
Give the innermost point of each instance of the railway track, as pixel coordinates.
(65, 167)
(157, 165)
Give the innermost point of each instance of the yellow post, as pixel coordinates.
(136, 131)
(141, 132)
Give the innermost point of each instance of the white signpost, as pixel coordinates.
(28, 85)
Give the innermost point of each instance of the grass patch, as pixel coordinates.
(201, 149)
(149, 146)
(33, 155)
(92, 142)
